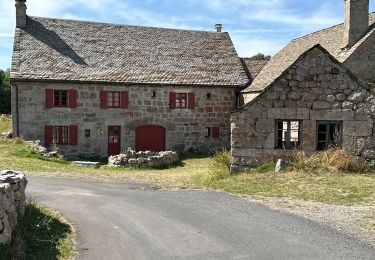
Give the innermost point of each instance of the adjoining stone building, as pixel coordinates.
(98, 89)
(312, 95)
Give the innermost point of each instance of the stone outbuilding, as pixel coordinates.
(313, 95)
(313, 105)
(99, 89)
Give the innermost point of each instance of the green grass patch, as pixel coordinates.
(41, 234)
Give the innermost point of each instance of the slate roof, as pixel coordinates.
(330, 39)
(253, 66)
(59, 50)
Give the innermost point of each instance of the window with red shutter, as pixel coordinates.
(172, 100)
(48, 134)
(73, 135)
(49, 98)
(215, 132)
(72, 98)
(103, 99)
(124, 99)
(191, 102)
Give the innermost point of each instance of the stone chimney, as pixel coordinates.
(21, 13)
(218, 27)
(356, 21)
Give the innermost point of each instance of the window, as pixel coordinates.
(288, 134)
(87, 132)
(181, 100)
(60, 134)
(329, 134)
(113, 99)
(153, 94)
(208, 95)
(60, 98)
(208, 132)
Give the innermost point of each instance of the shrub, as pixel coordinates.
(219, 167)
(333, 160)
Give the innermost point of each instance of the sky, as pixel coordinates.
(254, 25)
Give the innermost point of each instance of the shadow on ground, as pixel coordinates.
(40, 235)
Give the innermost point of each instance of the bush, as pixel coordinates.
(219, 167)
(333, 160)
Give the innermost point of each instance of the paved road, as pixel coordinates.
(134, 221)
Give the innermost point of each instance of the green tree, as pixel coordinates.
(261, 56)
(5, 93)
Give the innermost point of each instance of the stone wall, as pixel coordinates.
(183, 126)
(143, 159)
(12, 203)
(315, 88)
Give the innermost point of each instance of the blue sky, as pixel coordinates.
(254, 25)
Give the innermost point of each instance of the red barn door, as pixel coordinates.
(150, 138)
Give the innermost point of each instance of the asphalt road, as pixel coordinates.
(135, 221)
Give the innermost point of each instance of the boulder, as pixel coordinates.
(281, 165)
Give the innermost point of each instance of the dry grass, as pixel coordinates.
(5, 124)
(334, 160)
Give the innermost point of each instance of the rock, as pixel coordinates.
(356, 97)
(86, 164)
(281, 165)
(143, 159)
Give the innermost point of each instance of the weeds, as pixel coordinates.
(333, 160)
(41, 234)
(219, 167)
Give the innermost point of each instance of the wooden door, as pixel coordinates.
(150, 138)
(114, 140)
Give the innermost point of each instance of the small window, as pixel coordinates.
(60, 98)
(288, 134)
(153, 94)
(208, 132)
(329, 134)
(208, 95)
(181, 100)
(60, 134)
(87, 132)
(113, 99)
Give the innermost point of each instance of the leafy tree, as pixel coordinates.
(5, 93)
(261, 56)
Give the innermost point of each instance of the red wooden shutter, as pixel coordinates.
(72, 98)
(49, 98)
(73, 135)
(215, 132)
(124, 99)
(191, 100)
(172, 100)
(103, 99)
(48, 135)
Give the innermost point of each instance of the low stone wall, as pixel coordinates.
(143, 159)
(12, 202)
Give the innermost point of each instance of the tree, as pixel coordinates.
(5, 93)
(261, 56)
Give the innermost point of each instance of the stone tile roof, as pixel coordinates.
(59, 50)
(253, 66)
(330, 39)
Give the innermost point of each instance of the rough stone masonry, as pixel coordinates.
(12, 202)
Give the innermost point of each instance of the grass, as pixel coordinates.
(5, 124)
(41, 234)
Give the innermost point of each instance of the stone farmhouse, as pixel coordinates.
(314, 94)
(99, 89)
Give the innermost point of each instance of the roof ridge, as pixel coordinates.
(123, 25)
